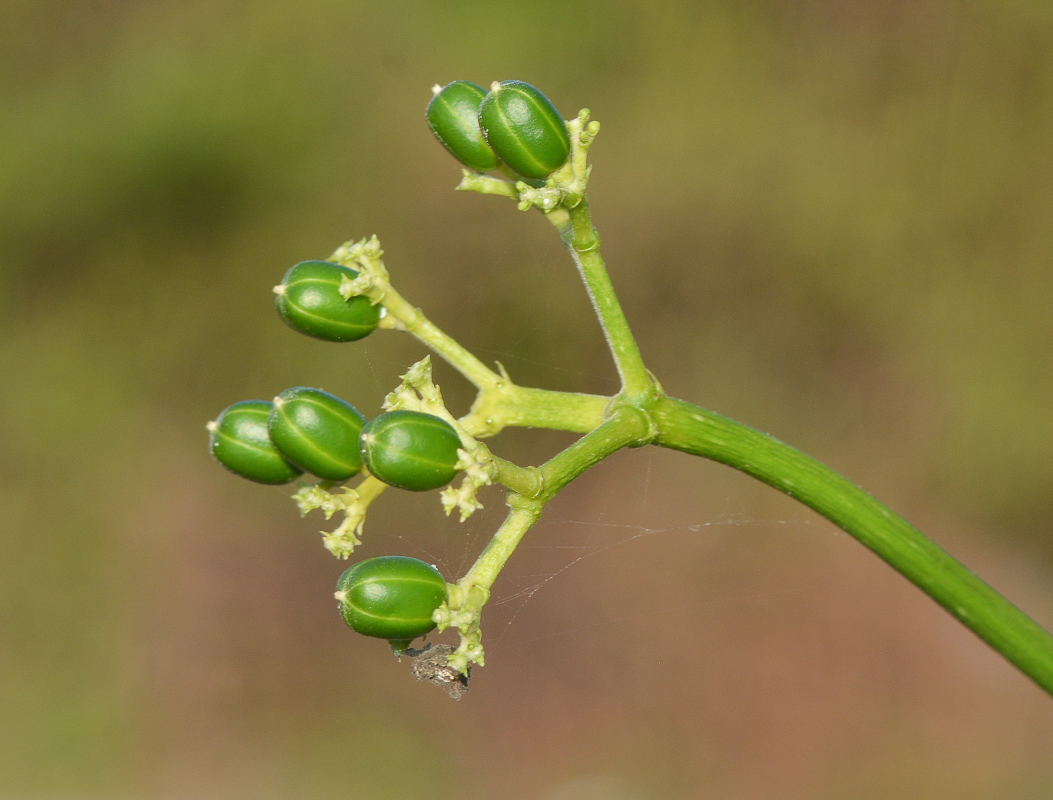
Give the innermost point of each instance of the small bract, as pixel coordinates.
(410, 450)
(238, 439)
(391, 597)
(317, 431)
(453, 116)
(309, 300)
(524, 129)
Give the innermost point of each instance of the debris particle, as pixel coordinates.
(429, 664)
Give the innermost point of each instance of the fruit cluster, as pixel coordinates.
(309, 430)
(512, 128)
(513, 123)
(417, 445)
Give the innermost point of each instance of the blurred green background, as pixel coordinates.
(829, 220)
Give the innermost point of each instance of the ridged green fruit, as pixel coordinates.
(309, 300)
(317, 431)
(453, 116)
(523, 127)
(391, 597)
(410, 450)
(238, 439)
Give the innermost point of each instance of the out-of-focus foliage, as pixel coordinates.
(828, 220)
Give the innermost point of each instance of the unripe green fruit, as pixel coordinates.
(410, 450)
(239, 441)
(309, 300)
(317, 431)
(391, 597)
(524, 129)
(453, 116)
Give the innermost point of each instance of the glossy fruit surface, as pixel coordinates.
(410, 450)
(453, 116)
(391, 597)
(524, 129)
(317, 431)
(309, 300)
(239, 441)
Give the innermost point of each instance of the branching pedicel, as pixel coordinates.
(416, 444)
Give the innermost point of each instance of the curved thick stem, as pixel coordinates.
(687, 427)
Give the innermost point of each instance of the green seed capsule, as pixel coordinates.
(453, 116)
(391, 597)
(239, 441)
(317, 431)
(410, 450)
(524, 129)
(309, 300)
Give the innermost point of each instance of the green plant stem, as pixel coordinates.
(500, 402)
(583, 242)
(526, 481)
(484, 184)
(509, 405)
(368, 489)
(625, 426)
(691, 429)
(412, 320)
(501, 546)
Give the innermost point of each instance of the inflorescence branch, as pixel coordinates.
(640, 413)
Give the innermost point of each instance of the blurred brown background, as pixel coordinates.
(830, 220)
